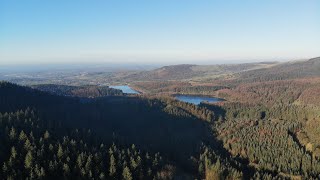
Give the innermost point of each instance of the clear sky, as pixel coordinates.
(153, 31)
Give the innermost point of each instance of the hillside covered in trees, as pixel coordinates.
(268, 127)
(79, 91)
(45, 135)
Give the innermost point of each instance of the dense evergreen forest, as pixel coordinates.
(29, 151)
(79, 91)
(268, 128)
(157, 138)
(176, 87)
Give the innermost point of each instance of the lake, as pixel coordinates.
(125, 89)
(197, 99)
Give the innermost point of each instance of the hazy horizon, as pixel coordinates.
(157, 32)
(156, 63)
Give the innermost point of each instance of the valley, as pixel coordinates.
(247, 121)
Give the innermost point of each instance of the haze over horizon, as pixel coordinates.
(157, 32)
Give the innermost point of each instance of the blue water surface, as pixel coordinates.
(197, 99)
(125, 89)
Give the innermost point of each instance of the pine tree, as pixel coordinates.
(13, 152)
(101, 176)
(79, 161)
(133, 163)
(66, 169)
(28, 160)
(88, 163)
(60, 151)
(27, 145)
(4, 167)
(126, 174)
(22, 136)
(12, 133)
(46, 135)
(112, 168)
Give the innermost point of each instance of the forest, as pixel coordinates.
(78, 91)
(267, 127)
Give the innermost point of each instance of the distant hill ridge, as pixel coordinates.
(189, 71)
(283, 71)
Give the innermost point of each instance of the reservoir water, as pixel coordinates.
(197, 99)
(125, 89)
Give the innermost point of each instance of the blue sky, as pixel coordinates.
(166, 31)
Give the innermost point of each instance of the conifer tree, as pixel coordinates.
(112, 168)
(126, 174)
(28, 160)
